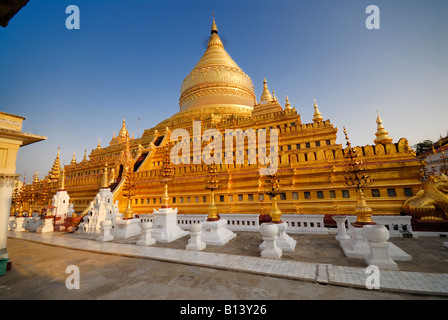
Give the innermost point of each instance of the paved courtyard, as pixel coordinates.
(122, 270)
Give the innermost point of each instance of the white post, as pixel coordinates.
(342, 232)
(6, 189)
(146, 239)
(106, 226)
(269, 249)
(377, 236)
(195, 243)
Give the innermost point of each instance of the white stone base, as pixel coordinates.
(283, 240)
(19, 224)
(127, 228)
(106, 227)
(215, 233)
(146, 239)
(195, 243)
(46, 227)
(166, 229)
(357, 247)
(269, 246)
(379, 256)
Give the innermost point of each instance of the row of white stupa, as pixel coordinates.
(104, 220)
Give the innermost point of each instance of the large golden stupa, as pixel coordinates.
(311, 165)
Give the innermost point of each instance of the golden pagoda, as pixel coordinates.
(217, 94)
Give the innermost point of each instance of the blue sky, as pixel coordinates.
(128, 59)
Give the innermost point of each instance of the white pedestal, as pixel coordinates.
(357, 247)
(215, 233)
(19, 224)
(377, 236)
(270, 249)
(283, 240)
(127, 228)
(195, 243)
(146, 239)
(47, 225)
(342, 232)
(106, 227)
(165, 226)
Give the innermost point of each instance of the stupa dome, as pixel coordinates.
(217, 84)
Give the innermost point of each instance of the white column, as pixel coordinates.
(342, 232)
(6, 189)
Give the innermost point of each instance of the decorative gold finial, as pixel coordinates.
(85, 155)
(73, 159)
(266, 95)
(317, 117)
(287, 104)
(212, 185)
(104, 183)
(381, 134)
(99, 144)
(63, 180)
(214, 27)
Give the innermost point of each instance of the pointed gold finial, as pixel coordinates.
(99, 144)
(317, 117)
(73, 159)
(266, 95)
(36, 177)
(214, 27)
(287, 104)
(85, 155)
(63, 180)
(104, 183)
(381, 134)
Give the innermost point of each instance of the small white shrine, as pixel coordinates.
(101, 208)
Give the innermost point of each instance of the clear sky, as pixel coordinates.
(129, 58)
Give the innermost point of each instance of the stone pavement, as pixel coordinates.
(244, 257)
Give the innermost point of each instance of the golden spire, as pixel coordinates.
(85, 155)
(214, 27)
(317, 117)
(216, 82)
(104, 183)
(63, 180)
(266, 95)
(123, 133)
(73, 159)
(287, 104)
(99, 144)
(381, 134)
(55, 173)
(36, 177)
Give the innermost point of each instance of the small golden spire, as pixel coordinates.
(317, 117)
(266, 95)
(99, 144)
(36, 177)
(63, 180)
(104, 183)
(287, 104)
(85, 155)
(123, 133)
(214, 27)
(381, 134)
(73, 159)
